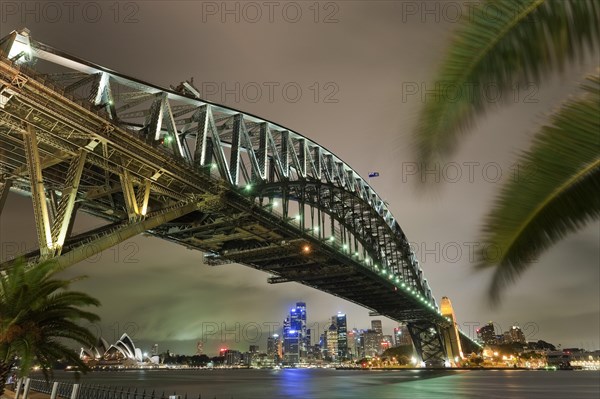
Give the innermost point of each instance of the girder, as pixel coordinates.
(428, 342)
(64, 212)
(5, 186)
(38, 194)
(129, 152)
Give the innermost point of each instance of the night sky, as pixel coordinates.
(362, 68)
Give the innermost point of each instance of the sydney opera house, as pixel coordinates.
(122, 354)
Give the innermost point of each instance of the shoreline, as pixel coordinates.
(171, 369)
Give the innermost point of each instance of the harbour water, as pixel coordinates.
(350, 384)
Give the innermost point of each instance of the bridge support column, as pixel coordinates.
(65, 209)
(428, 342)
(38, 195)
(4, 189)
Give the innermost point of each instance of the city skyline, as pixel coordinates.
(163, 284)
(274, 335)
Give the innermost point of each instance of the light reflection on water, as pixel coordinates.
(348, 384)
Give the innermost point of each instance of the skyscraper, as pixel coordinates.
(342, 339)
(332, 342)
(487, 334)
(353, 339)
(377, 326)
(514, 335)
(402, 336)
(295, 335)
(371, 341)
(273, 346)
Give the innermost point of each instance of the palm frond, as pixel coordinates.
(500, 44)
(559, 197)
(39, 314)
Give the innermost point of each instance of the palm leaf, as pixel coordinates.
(39, 314)
(560, 197)
(501, 43)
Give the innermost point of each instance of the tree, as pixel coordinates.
(521, 42)
(38, 319)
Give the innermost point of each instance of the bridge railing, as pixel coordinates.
(68, 390)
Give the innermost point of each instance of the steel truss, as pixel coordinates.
(92, 139)
(428, 342)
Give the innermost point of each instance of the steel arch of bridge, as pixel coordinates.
(146, 159)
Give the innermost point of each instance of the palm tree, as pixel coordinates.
(38, 318)
(522, 41)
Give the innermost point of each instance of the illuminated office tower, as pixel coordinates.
(342, 338)
(295, 334)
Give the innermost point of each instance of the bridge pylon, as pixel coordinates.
(450, 333)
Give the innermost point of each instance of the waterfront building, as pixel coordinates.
(377, 326)
(232, 357)
(262, 360)
(323, 345)
(304, 336)
(274, 347)
(585, 360)
(332, 342)
(514, 335)
(371, 340)
(122, 353)
(342, 336)
(353, 340)
(487, 334)
(402, 336)
(386, 342)
(295, 336)
(314, 352)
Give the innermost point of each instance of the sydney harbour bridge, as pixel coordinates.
(75, 136)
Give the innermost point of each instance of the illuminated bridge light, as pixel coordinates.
(332, 238)
(275, 203)
(213, 165)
